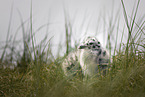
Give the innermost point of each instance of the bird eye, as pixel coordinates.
(91, 43)
(98, 42)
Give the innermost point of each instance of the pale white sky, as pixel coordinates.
(83, 15)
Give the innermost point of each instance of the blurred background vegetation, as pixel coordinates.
(34, 70)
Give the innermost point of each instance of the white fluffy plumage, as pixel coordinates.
(89, 57)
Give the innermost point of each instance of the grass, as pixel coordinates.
(41, 74)
(49, 81)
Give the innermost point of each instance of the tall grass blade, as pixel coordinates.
(129, 28)
(134, 16)
(116, 36)
(68, 32)
(8, 32)
(121, 38)
(31, 27)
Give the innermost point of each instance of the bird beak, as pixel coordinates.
(82, 46)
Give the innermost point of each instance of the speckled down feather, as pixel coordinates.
(87, 59)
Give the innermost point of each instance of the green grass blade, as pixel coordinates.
(8, 32)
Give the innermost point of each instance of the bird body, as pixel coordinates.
(88, 59)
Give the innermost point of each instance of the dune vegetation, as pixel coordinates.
(38, 73)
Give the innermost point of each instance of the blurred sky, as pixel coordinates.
(82, 14)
